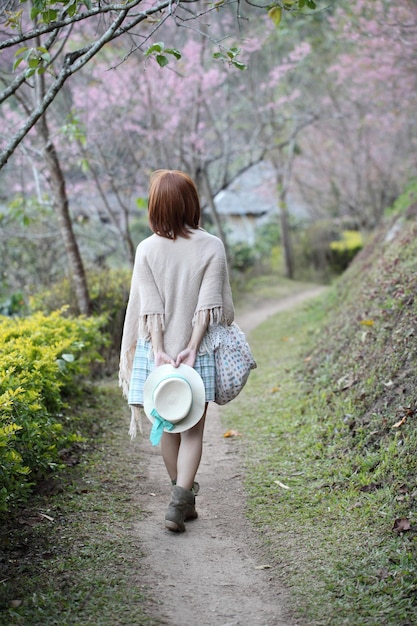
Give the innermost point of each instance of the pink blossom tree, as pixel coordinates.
(357, 159)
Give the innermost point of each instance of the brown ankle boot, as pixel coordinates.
(180, 509)
(190, 512)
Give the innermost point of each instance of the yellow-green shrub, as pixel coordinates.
(345, 249)
(109, 292)
(42, 360)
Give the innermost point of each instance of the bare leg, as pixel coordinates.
(182, 453)
(170, 444)
(189, 454)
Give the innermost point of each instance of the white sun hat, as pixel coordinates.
(173, 399)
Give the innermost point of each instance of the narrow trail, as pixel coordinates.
(213, 573)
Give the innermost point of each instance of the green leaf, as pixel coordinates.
(218, 55)
(17, 63)
(69, 358)
(21, 51)
(156, 47)
(33, 63)
(72, 9)
(49, 16)
(176, 53)
(141, 203)
(40, 5)
(84, 164)
(162, 60)
(275, 14)
(239, 65)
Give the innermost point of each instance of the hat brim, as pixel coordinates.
(198, 392)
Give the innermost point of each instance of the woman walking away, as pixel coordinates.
(180, 286)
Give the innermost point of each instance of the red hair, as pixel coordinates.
(173, 205)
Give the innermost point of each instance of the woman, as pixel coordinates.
(180, 286)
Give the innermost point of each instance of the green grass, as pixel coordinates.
(71, 557)
(325, 403)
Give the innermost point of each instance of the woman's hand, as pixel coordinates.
(162, 358)
(187, 357)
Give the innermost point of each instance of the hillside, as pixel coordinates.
(368, 353)
(330, 440)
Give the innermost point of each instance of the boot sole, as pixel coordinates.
(174, 526)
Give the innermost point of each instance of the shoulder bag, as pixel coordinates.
(233, 359)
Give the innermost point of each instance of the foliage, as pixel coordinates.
(242, 256)
(268, 236)
(42, 361)
(345, 249)
(407, 199)
(14, 305)
(312, 248)
(331, 448)
(109, 290)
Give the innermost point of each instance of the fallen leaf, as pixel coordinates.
(48, 517)
(382, 573)
(370, 488)
(274, 389)
(367, 322)
(280, 484)
(388, 384)
(401, 422)
(232, 433)
(346, 382)
(15, 603)
(263, 567)
(401, 524)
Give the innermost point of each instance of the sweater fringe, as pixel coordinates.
(135, 422)
(150, 322)
(215, 316)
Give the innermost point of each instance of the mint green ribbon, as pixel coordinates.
(158, 427)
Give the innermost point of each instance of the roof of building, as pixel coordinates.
(251, 193)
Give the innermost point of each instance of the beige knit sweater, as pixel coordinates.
(175, 281)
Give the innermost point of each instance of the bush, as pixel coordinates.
(42, 359)
(242, 256)
(344, 250)
(109, 292)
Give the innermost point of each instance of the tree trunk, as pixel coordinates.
(59, 193)
(57, 181)
(202, 175)
(286, 239)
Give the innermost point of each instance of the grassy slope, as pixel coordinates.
(333, 418)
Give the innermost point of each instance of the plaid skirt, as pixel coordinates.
(143, 364)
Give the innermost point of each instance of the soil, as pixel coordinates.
(215, 573)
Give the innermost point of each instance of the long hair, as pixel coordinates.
(173, 205)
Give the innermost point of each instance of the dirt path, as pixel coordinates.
(211, 575)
